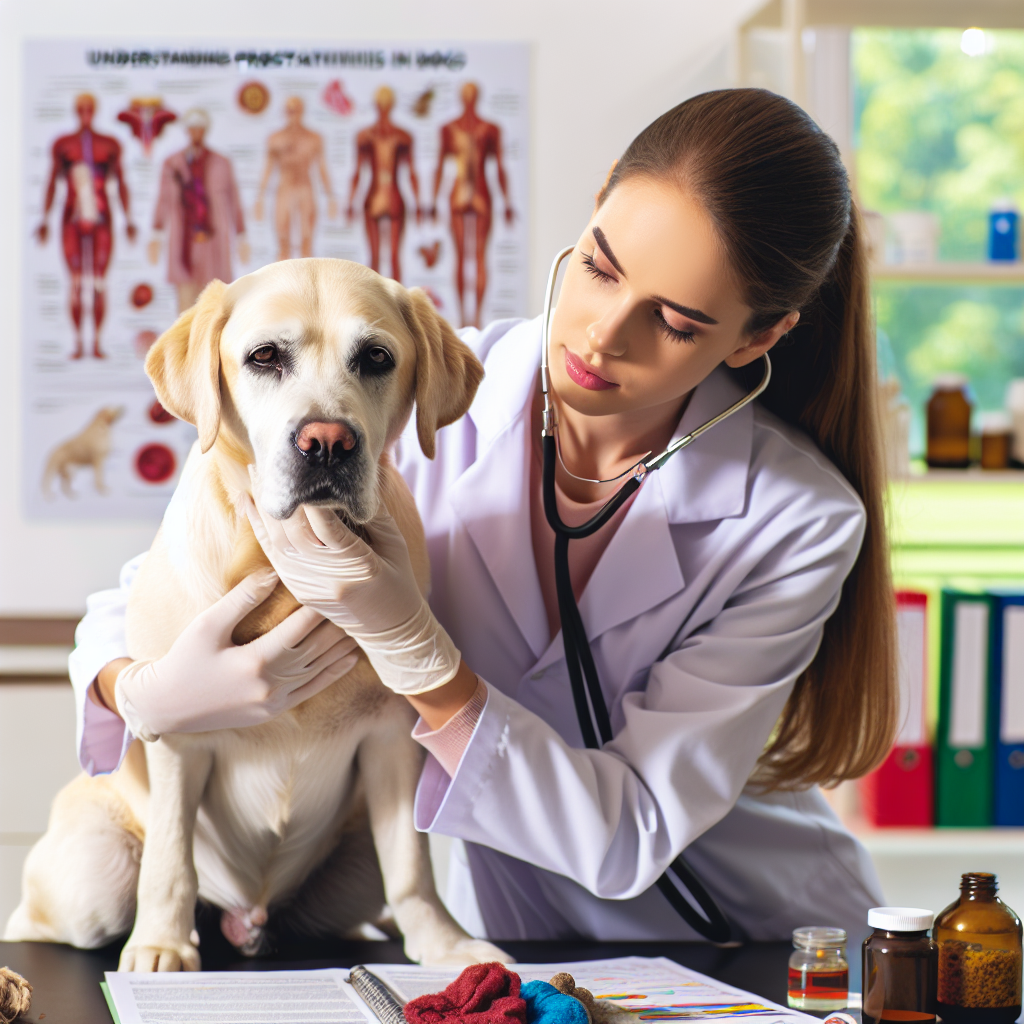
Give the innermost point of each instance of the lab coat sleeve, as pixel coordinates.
(614, 819)
(102, 738)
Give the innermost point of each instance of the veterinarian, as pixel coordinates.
(738, 607)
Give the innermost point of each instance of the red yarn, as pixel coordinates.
(481, 994)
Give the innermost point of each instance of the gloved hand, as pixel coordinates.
(207, 682)
(369, 591)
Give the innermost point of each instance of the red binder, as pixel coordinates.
(900, 791)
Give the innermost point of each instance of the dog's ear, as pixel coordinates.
(184, 364)
(447, 371)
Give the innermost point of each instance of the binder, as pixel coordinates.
(901, 790)
(965, 761)
(1006, 668)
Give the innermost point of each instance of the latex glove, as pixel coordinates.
(206, 682)
(370, 592)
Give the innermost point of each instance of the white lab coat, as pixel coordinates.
(706, 605)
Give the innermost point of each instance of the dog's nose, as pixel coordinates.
(324, 443)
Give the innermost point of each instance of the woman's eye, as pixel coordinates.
(265, 355)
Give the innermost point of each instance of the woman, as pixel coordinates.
(739, 608)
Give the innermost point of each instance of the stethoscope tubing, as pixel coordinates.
(585, 683)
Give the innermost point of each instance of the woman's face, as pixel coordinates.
(648, 306)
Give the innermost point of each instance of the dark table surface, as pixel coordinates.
(66, 980)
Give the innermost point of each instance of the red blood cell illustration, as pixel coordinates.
(142, 295)
(158, 414)
(155, 463)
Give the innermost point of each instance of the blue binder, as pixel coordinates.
(1007, 674)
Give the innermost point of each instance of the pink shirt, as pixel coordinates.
(449, 743)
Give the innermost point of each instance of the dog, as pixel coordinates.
(284, 822)
(90, 447)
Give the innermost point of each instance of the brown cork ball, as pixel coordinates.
(15, 996)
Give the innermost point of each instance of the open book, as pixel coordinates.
(653, 989)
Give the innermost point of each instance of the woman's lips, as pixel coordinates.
(586, 378)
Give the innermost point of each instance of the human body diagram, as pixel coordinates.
(293, 152)
(471, 142)
(86, 160)
(384, 148)
(199, 208)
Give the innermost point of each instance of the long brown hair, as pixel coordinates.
(775, 188)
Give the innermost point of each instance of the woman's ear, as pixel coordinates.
(756, 345)
(184, 364)
(447, 371)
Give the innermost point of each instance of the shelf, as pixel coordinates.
(984, 273)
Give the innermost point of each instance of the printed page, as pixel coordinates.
(657, 988)
(237, 997)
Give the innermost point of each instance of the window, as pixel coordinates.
(938, 126)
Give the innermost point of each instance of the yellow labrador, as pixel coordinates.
(308, 369)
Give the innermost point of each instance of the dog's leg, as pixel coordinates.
(79, 881)
(97, 472)
(389, 766)
(161, 939)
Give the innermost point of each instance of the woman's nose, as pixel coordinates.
(607, 334)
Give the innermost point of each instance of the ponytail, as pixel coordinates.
(775, 187)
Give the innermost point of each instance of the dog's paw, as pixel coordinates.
(147, 959)
(465, 952)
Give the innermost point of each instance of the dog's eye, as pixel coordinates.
(265, 355)
(376, 359)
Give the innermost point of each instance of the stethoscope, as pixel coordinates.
(582, 670)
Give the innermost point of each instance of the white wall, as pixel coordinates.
(600, 72)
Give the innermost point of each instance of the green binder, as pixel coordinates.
(965, 764)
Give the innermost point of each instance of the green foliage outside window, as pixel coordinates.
(940, 130)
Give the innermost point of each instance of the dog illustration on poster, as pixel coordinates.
(85, 160)
(294, 152)
(471, 142)
(199, 208)
(384, 148)
(88, 448)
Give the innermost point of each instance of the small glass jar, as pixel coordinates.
(996, 439)
(900, 966)
(819, 976)
(949, 424)
(979, 940)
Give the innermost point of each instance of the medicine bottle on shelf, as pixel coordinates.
(819, 976)
(900, 966)
(979, 940)
(949, 424)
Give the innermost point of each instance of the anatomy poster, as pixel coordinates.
(152, 168)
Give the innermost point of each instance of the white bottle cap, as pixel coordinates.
(900, 919)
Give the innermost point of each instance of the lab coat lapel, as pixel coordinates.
(704, 482)
(492, 498)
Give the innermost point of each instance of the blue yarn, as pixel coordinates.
(546, 1005)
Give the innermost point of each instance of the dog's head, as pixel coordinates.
(310, 369)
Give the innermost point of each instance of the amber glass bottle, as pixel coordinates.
(899, 967)
(949, 424)
(979, 940)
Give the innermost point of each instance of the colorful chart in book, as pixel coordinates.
(152, 167)
(650, 989)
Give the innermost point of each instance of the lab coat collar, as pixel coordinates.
(706, 481)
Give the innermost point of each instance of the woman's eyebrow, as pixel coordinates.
(693, 314)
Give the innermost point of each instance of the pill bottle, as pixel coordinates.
(996, 439)
(949, 424)
(819, 976)
(1003, 229)
(900, 965)
(979, 940)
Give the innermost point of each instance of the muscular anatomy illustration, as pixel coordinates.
(292, 152)
(471, 141)
(85, 160)
(200, 211)
(384, 147)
